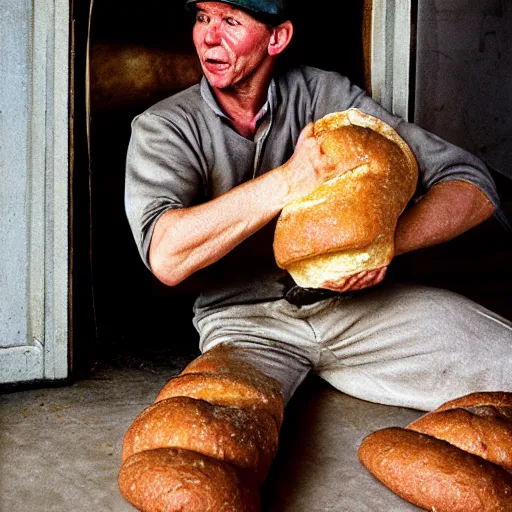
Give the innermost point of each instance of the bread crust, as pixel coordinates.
(433, 474)
(220, 376)
(479, 423)
(226, 390)
(244, 437)
(207, 441)
(347, 224)
(476, 431)
(500, 400)
(175, 480)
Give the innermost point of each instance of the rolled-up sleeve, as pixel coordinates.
(162, 172)
(438, 160)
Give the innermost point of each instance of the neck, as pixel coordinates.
(243, 101)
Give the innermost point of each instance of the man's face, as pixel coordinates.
(230, 43)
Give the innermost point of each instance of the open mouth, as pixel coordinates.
(215, 65)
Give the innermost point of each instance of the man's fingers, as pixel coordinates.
(382, 273)
(361, 280)
(346, 284)
(370, 278)
(358, 281)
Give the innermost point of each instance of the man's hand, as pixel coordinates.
(309, 166)
(358, 281)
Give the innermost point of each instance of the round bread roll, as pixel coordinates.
(175, 480)
(435, 475)
(348, 223)
(243, 437)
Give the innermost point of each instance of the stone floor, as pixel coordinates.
(60, 446)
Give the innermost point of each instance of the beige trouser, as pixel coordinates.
(404, 345)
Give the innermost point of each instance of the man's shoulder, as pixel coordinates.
(309, 80)
(178, 104)
(307, 74)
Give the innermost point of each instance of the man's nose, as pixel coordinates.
(212, 34)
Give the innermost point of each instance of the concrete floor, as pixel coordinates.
(60, 446)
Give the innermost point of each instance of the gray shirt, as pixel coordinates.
(183, 151)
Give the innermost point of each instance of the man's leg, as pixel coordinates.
(413, 346)
(265, 336)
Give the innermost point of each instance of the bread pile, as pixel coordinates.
(457, 458)
(207, 441)
(347, 224)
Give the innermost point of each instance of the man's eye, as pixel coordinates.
(232, 22)
(201, 18)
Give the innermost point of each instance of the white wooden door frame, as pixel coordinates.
(40, 151)
(390, 54)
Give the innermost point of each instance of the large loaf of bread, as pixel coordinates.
(207, 441)
(456, 458)
(348, 223)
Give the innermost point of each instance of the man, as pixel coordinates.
(208, 171)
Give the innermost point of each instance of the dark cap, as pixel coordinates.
(275, 8)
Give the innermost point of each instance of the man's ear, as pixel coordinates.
(280, 38)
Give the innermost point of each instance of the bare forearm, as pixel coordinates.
(447, 210)
(187, 240)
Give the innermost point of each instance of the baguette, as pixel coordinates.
(171, 479)
(501, 401)
(477, 430)
(239, 390)
(456, 457)
(207, 441)
(433, 474)
(242, 436)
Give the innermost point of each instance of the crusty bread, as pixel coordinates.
(228, 389)
(207, 441)
(475, 430)
(479, 423)
(242, 436)
(174, 480)
(456, 457)
(348, 223)
(499, 400)
(433, 474)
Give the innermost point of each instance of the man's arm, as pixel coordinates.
(448, 209)
(189, 239)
